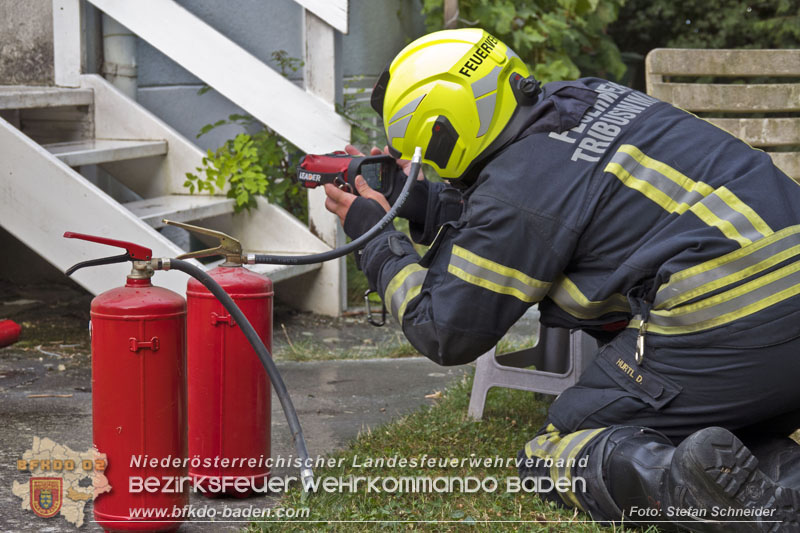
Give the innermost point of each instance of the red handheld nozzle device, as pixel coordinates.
(133, 252)
(341, 168)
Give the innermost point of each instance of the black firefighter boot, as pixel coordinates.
(709, 483)
(779, 458)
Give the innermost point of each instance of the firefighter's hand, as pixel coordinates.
(357, 213)
(339, 202)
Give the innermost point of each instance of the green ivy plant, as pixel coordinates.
(262, 163)
(235, 162)
(253, 164)
(558, 39)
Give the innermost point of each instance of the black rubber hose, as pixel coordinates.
(306, 473)
(359, 242)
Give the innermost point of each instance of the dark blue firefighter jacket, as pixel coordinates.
(606, 211)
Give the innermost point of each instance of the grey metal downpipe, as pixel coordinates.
(119, 57)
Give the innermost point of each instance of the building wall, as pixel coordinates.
(378, 30)
(26, 42)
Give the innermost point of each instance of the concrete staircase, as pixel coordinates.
(91, 160)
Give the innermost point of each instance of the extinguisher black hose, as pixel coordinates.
(357, 243)
(306, 473)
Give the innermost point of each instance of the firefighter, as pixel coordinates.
(672, 242)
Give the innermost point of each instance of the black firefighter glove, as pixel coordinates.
(363, 215)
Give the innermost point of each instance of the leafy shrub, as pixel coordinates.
(262, 163)
(558, 39)
(646, 24)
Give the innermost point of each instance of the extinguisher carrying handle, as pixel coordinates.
(133, 252)
(97, 262)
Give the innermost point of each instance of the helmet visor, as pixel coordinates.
(379, 92)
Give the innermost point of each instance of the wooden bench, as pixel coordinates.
(681, 77)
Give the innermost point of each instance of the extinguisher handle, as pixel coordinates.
(97, 262)
(136, 252)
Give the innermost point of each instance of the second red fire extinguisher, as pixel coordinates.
(229, 391)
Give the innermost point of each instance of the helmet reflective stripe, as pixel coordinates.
(398, 128)
(407, 109)
(485, 85)
(485, 112)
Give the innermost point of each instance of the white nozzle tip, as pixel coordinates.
(417, 155)
(307, 477)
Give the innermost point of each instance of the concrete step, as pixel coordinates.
(283, 272)
(27, 97)
(180, 208)
(97, 151)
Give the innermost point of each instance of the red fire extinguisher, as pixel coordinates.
(9, 332)
(229, 390)
(139, 411)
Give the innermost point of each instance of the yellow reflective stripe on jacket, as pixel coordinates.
(569, 297)
(495, 277)
(738, 222)
(659, 182)
(403, 287)
(739, 206)
(730, 305)
(730, 268)
(677, 193)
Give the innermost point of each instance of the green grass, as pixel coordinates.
(392, 346)
(441, 430)
(311, 350)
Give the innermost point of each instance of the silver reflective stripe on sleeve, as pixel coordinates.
(477, 270)
(404, 287)
(569, 297)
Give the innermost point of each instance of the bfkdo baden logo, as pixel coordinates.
(62, 481)
(46, 495)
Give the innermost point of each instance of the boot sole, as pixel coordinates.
(719, 461)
